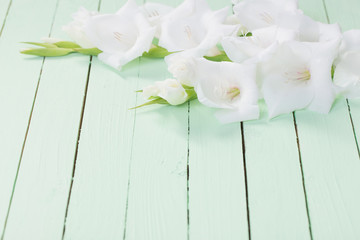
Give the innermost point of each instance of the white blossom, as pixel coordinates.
(347, 71)
(297, 76)
(76, 29)
(170, 89)
(123, 36)
(230, 87)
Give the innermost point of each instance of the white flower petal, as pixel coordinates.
(193, 25)
(299, 76)
(347, 75)
(150, 91)
(258, 46)
(229, 86)
(122, 37)
(283, 97)
(155, 13)
(76, 29)
(182, 66)
(351, 41)
(255, 14)
(244, 113)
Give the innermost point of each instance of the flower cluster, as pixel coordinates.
(266, 49)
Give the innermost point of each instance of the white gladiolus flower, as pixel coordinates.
(155, 13)
(193, 25)
(257, 47)
(255, 14)
(123, 36)
(308, 30)
(347, 72)
(229, 86)
(298, 76)
(182, 67)
(170, 90)
(75, 29)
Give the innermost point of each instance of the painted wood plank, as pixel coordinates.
(276, 197)
(98, 199)
(331, 164)
(217, 199)
(347, 15)
(99, 195)
(111, 154)
(40, 196)
(157, 207)
(4, 8)
(217, 196)
(18, 81)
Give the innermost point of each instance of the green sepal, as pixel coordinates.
(219, 58)
(156, 52)
(332, 71)
(88, 51)
(47, 52)
(156, 100)
(67, 44)
(190, 92)
(45, 45)
(248, 34)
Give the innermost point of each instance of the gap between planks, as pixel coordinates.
(30, 116)
(347, 101)
(246, 179)
(78, 140)
(131, 155)
(302, 176)
(6, 15)
(77, 147)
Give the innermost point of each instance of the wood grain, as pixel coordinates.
(217, 195)
(330, 161)
(18, 81)
(40, 195)
(276, 196)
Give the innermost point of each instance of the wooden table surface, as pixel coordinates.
(76, 164)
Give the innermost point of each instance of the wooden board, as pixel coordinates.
(217, 189)
(276, 196)
(92, 169)
(18, 81)
(40, 195)
(331, 164)
(4, 10)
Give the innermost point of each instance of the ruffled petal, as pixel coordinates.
(347, 75)
(255, 14)
(122, 38)
(225, 84)
(155, 12)
(243, 113)
(76, 29)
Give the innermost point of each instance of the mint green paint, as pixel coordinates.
(276, 197)
(18, 81)
(347, 15)
(40, 196)
(329, 154)
(131, 166)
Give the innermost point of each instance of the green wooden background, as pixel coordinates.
(76, 164)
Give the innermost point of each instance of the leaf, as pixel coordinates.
(88, 51)
(158, 100)
(67, 44)
(47, 52)
(156, 52)
(219, 58)
(45, 45)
